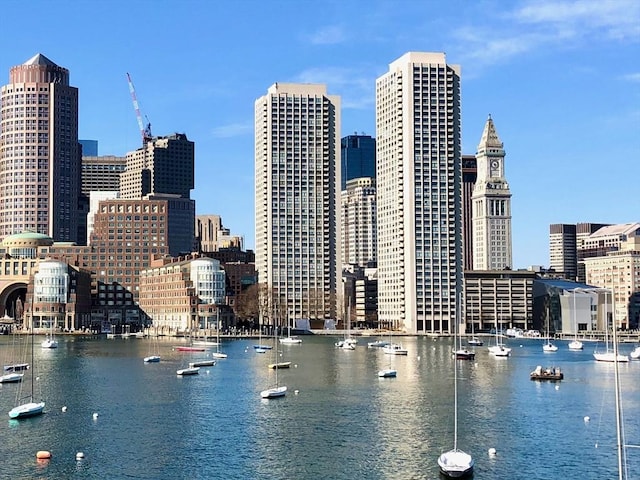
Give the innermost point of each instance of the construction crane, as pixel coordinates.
(145, 131)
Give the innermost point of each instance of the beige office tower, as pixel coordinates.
(297, 200)
(359, 232)
(491, 205)
(39, 151)
(419, 177)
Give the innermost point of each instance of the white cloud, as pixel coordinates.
(232, 130)
(355, 87)
(329, 35)
(632, 77)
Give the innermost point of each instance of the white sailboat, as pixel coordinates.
(459, 351)
(12, 373)
(575, 344)
(610, 354)
(261, 347)
(218, 353)
(620, 441)
(348, 343)
(154, 356)
(277, 390)
(30, 408)
(499, 349)
(289, 339)
(474, 341)
(50, 341)
(548, 346)
(455, 463)
(387, 372)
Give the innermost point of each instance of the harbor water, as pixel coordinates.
(133, 420)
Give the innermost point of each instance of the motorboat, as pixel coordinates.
(345, 345)
(395, 349)
(635, 353)
(475, 342)
(262, 347)
(387, 373)
(152, 359)
(11, 377)
(16, 367)
(188, 371)
(578, 345)
(552, 374)
(549, 347)
(378, 344)
(290, 340)
(278, 365)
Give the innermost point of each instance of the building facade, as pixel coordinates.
(358, 158)
(491, 205)
(297, 179)
(212, 236)
(359, 225)
(39, 151)
(419, 176)
(102, 173)
(469, 176)
(162, 165)
(563, 256)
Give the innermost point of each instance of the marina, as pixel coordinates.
(99, 393)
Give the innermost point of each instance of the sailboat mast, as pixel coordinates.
(616, 369)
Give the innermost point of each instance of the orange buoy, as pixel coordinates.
(43, 455)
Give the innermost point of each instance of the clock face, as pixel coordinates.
(494, 164)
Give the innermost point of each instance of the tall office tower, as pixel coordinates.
(89, 148)
(491, 205)
(359, 232)
(297, 168)
(211, 235)
(358, 158)
(469, 176)
(162, 165)
(419, 178)
(39, 151)
(101, 174)
(563, 256)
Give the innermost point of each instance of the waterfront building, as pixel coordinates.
(419, 203)
(358, 158)
(359, 231)
(39, 151)
(469, 176)
(212, 236)
(618, 270)
(491, 205)
(62, 291)
(102, 173)
(563, 255)
(162, 165)
(499, 297)
(95, 198)
(297, 179)
(182, 294)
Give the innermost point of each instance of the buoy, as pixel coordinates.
(586, 419)
(95, 416)
(492, 451)
(64, 409)
(418, 357)
(295, 366)
(43, 455)
(79, 456)
(557, 387)
(296, 391)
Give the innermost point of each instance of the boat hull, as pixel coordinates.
(190, 349)
(465, 355)
(203, 363)
(456, 464)
(275, 392)
(610, 357)
(188, 371)
(152, 359)
(387, 373)
(11, 378)
(27, 410)
(280, 365)
(49, 343)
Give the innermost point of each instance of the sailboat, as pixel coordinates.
(610, 354)
(30, 408)
(218, 353)
(474, 341)
(261, 347)
(499, 349)
(549, 346)
(455, 463)
(277, 390)
(575, 344)
(50, 341)
(290, 340)
(348, 343)
(12, 373)
(154, 356)
(460, 352)
(620, 442)
(387, 372)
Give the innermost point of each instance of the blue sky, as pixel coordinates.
(561, 80)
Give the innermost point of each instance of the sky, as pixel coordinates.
(560, 78)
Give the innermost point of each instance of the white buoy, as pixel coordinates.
(418, 357)
(79, 456)
(520, 346)
(64, 409)
(296, 391)
(492, 451)
(557, 387)
(586, 419)
(295, 366)
(95, 416)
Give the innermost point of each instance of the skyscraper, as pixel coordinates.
(358, 158)
(162, 165)
(419, 176)
(39, 151)
(469, 175)
(563, 256)
(491, 205)
(359, 231)
(297, 168)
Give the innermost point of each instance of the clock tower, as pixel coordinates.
(491, 205)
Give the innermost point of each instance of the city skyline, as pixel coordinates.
(543, 71)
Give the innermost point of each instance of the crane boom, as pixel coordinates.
(145, 131)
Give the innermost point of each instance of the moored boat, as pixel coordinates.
(188, 371)
(552, 374)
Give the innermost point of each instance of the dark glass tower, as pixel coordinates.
(358, 158)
